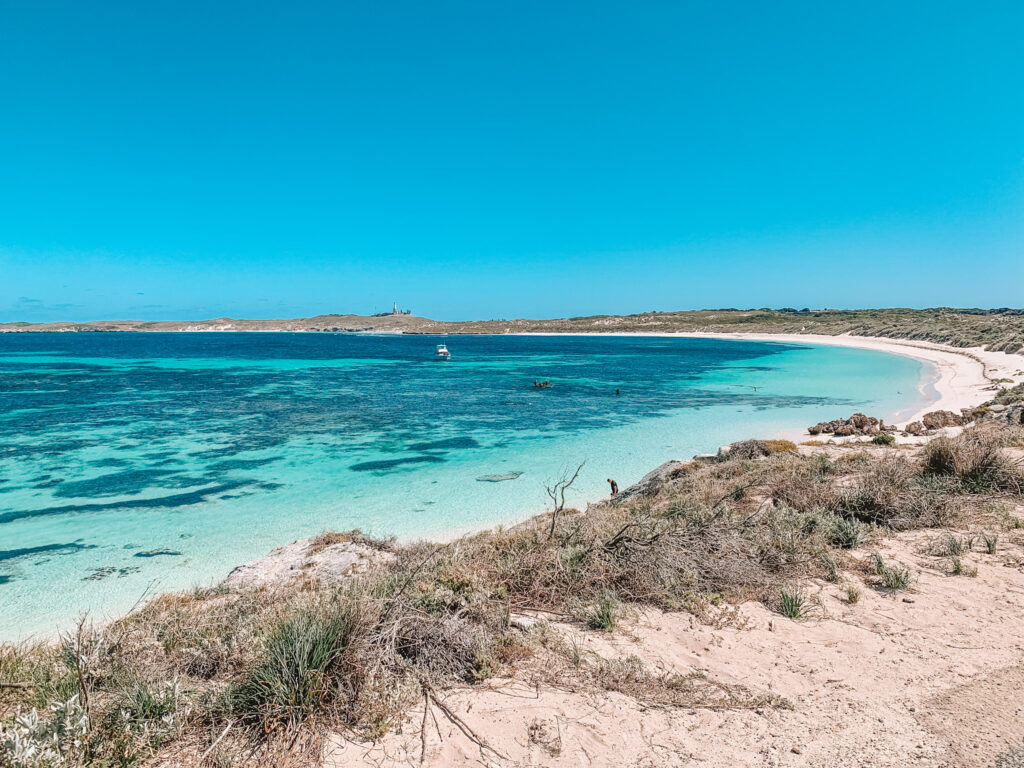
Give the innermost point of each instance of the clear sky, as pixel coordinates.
(472, 159)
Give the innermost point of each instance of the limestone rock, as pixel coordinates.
(857, 424)
(522, 622)
(337, 559)
(940, 419)
(652, 482)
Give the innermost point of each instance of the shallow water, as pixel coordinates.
(135, 462)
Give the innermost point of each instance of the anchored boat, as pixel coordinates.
(442, 353)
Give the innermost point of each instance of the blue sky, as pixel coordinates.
(190, 160)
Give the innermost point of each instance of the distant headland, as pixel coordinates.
(999, 329)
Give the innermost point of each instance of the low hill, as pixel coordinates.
(995, 329)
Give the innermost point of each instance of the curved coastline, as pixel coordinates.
(951, 380)
(962, 374)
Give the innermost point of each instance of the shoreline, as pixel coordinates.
(959, 380)
(960, 376)
(956, 377)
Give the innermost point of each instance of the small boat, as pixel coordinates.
(442, 353)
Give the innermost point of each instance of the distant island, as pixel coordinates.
(994, 329)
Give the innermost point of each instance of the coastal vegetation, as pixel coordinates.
(228, 675)
(994, 329)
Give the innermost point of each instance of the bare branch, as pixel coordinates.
(557, 491)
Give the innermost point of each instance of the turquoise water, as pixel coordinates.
(135, 462)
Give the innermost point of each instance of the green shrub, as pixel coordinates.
(847, 532)
(883, 439)
(756, 449)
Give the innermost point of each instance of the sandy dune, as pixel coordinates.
(935, 680)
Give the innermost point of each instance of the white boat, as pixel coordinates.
(442, 353)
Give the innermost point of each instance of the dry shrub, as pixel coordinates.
(630, 676)
(780, 446)
(975, 457)
(756, 449)
(329, 538)
(892, 492)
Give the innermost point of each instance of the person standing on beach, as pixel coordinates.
(615, 487)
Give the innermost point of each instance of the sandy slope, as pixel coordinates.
(934, 681)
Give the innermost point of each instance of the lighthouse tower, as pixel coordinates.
(394, 309)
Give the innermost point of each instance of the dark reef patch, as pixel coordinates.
(111, 462)
(163, 552)
(386, 464)
(125, 483)
(229, 464)
(499, 478)
(4, 578)
(162, 502)
(13, 554)
(159, 456)
(450, 444)
(98, 574)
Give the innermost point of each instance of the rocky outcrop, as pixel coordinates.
(1012, 414)
(858, 424)
(914, 428)
(328, 557)
(940, 419)
(653, 481)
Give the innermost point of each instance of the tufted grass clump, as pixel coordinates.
(297, 674)
(848, 532)
(951, 545)
(833, 571)
(792, 603)
(893, 579)
(604, 613)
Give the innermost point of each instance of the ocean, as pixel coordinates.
(137, 463)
